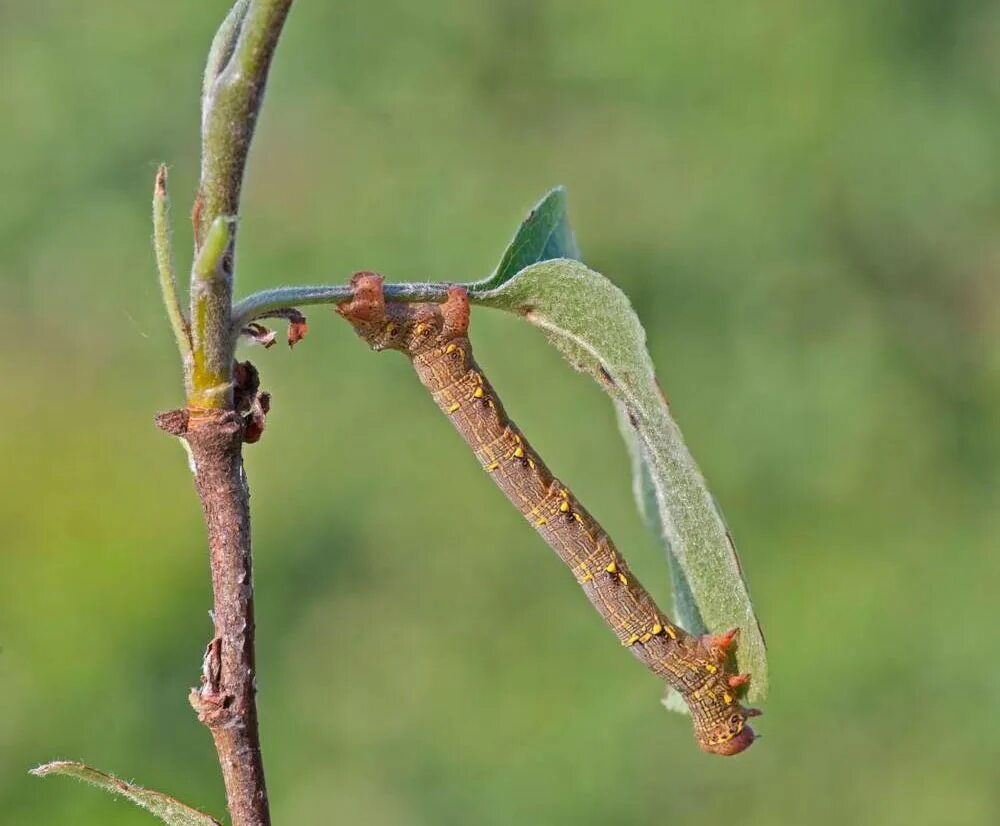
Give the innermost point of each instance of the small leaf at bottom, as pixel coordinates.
(166, 808)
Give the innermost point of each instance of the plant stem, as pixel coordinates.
(281, 298)
(233, 91)
(226, 699)
(211, 276)
(240, 59)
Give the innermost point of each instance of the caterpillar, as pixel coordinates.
(435, 337)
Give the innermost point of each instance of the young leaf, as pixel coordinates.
(223, 45)
(592, 323)
(545, 234)
(163, 806)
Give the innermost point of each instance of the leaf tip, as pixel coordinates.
(160, 184)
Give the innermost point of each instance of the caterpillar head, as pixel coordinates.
(730, 734)
(720, 722)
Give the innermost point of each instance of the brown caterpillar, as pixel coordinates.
(434, 336)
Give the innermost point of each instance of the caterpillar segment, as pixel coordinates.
(435, 337)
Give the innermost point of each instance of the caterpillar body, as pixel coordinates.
(435, 337)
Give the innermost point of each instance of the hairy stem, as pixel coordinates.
(240, 59)
(283, 298)
(212, 274)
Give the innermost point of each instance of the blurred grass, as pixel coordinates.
(802, 203)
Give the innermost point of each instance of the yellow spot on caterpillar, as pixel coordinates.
(657, 628)
(454, 408)
(541, 521)
(711, 669)
(612, 567)
(728, 699)
(519, 453)
(564, 507)
(564, 493)
(645, 638)
(477, 393)
(531, 463)
(390, 328)
(492, 466)
(587, 578)
(623, 579)
(670, 632)
(632, 640)
(421, 328)
(451, 348)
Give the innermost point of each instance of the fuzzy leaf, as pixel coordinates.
(166, 808)
(545, 234)
(223, 46)
(592, 323)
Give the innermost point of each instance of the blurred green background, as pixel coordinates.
(802, 201)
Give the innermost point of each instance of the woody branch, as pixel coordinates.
(213, 422)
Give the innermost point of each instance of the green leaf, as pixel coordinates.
(545, 234)
(593, 324)
(685, 606)
(162, 806)
(223, 46)
(208, 263)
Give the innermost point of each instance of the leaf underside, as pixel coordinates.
(166, 808)
(591, 322)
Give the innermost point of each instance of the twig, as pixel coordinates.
(226, 701)
(213, 424)
(211, 385)
(260, 304)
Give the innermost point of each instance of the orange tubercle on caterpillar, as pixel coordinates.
(721, 643)
(736, 680)
(455, 312)
(368, 301)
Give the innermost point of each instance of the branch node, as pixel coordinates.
(174, 422)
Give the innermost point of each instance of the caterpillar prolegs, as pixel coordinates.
(435, 337)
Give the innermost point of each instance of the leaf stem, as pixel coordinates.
(280, 298)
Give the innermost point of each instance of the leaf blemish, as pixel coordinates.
(606, 377)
